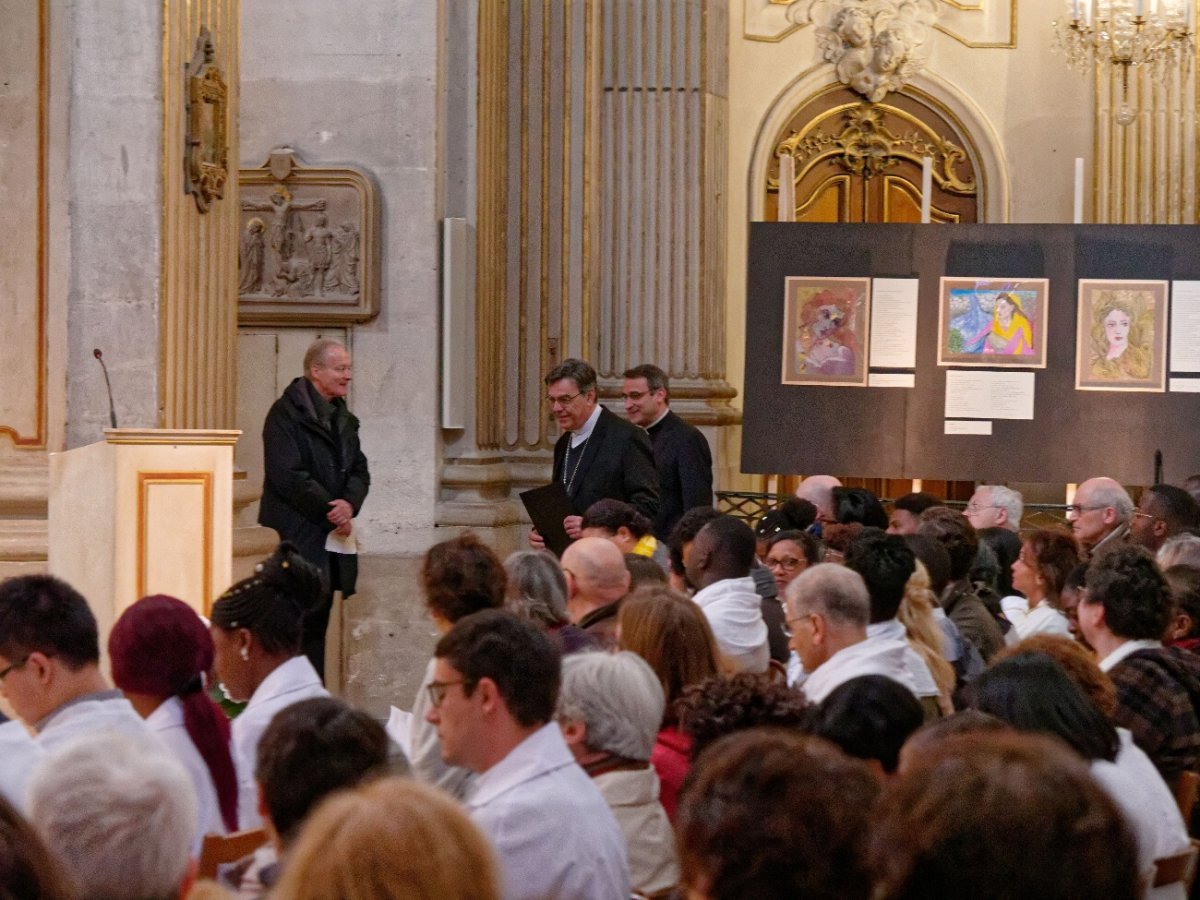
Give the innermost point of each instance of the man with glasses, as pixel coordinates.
(1163, 511)
(995, 506)
(681, 454)
(496, 682)
(50, 664)
(599, 455)
(316, 477)
(1100, 515)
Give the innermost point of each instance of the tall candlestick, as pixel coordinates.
(1079, 190)
(926, 188)
(787, 188)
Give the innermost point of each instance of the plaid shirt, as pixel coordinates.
(1158, 695)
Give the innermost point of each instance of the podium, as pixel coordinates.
(145, 511)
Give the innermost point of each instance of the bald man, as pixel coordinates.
(818, 490)
(597, 579)
(1100, 515)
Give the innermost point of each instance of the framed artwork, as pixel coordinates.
(1121, 336)
(993, 322)
(826, 322)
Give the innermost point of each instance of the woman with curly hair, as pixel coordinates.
(1040, 572)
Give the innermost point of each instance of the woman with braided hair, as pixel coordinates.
(161, 652)
(257, 630)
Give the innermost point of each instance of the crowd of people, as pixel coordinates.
(842, 700)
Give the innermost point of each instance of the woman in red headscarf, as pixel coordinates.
(161, 653)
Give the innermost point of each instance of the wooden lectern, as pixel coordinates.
(146, 511)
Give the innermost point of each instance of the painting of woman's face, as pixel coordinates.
(1116, 329)
(1005, 308)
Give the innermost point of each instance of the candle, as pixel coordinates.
(926, 188)
(1141, 7)
(1079, 190)
(787, 188)
(1075, 14)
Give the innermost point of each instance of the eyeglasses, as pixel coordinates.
(1141, 515)
(635, 396)
(1075, 509)
(800, 618)
(5, 672)
(437, 690)
(974, 507)
(788, 563)
(562, 400)
(341, 370)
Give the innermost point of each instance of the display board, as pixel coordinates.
(900, 432)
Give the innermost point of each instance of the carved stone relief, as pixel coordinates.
(205, 168)
(979, 23)
(307, 245)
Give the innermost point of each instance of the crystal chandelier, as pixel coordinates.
(1127, 33)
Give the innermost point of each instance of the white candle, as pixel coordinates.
(787, 188)
(1079, 190)
(1141, 7)
(926, 188)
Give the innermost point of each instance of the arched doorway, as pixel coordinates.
(857, 161)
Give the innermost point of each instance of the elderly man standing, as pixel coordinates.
(995, 506)
(1100, 515)
(597, 579)
(599, 455)
(316, 477)
(681, 453)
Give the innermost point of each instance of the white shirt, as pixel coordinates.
(553, 834)
(1125, 650)
(1149, 807)
(893, 630)
(290, 683)
(19, 754)
(101, 711)
(585, 432)
(633, 797)
(426, 749)
(734, 611)
(870, 657)
(167, 723)
(1042, 619)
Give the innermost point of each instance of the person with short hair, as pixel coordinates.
(680, 542)
(1046, 559)
(858, 506)
(626, 527)
(394, 838)
(1163, 511)
(818, 490)
(1180, 550)
(788, 554)
(257, 629)
(50, 663)
(161, 652)
(681, 453)
(768, 814)
(315, 477)
(1124, 614)
(995, 506)
(599, 454)
(829, 609)
(718, 564)
(460, 576)
(793, 514)
(994, 816)
(492, 700)
(906, 512)
(1184, 629)
(869, 718)
(118, 810)
(610, 708)
(597, 580)
(1100, 514)
(537, 592)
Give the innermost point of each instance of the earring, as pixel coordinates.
(245, 654)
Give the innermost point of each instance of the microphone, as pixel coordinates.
(112, 410)
(1158, 467)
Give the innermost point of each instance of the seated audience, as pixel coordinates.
(21, 754)
(1100, 515)
(787, 554)
(597, 579)
(959, 652)
(622, 524)
(393, 838)
(119, 812)
(27, 868)
(976, 622)
(50, 663)
(1163, 511)
(727, 703)
(492, 700)
(718, 564)
(537, 592)
(918, 614)
(769, 814)
(906, 512)
(886, 563)
(1004, 547)
(922, 742)
(1184, 629)
(818, 490)
(460, 576)
(858, 506)
(998, 817)
(1031, 692)
(256, 631)
(1124, 614)
(1181, 550)
(995, 506)
(161, 652)
(644, 571)
(829, 609)
(1076, 661)
(870, 718)
(1040, 573)
(670, 633)
(609, 709)
(680, 544)
(1068, 601)
(793, 514)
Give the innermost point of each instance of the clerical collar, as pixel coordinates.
(658, 421)
(578, 437)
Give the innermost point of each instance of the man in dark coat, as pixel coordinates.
(600, 455)
(681, 454)
(316, 476)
